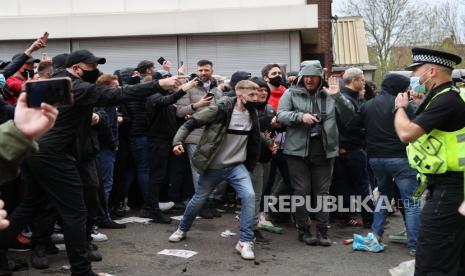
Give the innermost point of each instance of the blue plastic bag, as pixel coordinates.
(369, 243)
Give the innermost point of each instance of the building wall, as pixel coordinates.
(321, 46)
(107, 18)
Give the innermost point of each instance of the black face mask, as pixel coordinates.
(28, 74)
(276, 81)
(250, 106)
(134, 80)
(90, 76)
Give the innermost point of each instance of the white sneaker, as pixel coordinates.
(98, 237)
(165, 206)
(177, 236)
(246, 250)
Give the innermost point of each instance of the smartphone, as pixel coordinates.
(56, 92)
(161, 60)
(45, 37)
(210, 94)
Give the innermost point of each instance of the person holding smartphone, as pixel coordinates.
(202, 95)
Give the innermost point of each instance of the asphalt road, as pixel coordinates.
(133, 251)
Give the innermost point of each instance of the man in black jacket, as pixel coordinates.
(352, 155)
(54, 167)
(161, 118)
(388, 158)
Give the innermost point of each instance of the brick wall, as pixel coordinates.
(324, 46)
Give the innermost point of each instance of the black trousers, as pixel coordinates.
(311, 176)
(278, 162)
(43, 225)
(181, 185)
(91, 182)
(55, 179)
(441, 241)
(354, 172)
(123, 159)
(44, 222)
(159, 160)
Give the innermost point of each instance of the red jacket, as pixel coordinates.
(276, 96)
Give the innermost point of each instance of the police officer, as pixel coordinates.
(437, 151)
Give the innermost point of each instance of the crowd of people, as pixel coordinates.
(159, 140)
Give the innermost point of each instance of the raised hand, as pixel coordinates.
(169, 83)
(188, 85)
(333, 86)
(40, 43)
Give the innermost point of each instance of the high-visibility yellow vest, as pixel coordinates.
(439, 151)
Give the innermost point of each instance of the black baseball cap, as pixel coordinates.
(59, 61)
(84, 56)
(3, 64)
(29, 60)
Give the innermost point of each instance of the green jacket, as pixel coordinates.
(14, 147)
(216, 121)
(292, 106)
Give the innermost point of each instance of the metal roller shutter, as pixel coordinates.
(54, 47)
(247, 52)
(129, 51)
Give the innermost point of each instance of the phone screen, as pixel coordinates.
(55, 92)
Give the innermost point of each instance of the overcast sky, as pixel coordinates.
(339, 4)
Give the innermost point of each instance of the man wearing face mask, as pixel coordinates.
(308, 110)
(16, 81)
(52, 173)
(271, 73)
(437, 151)
(228, 149)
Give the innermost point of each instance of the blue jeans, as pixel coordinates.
(238, 177)
(106, 163)
(220, 189)
(390, 170)
(140, 152)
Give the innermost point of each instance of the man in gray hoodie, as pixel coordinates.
(309, 112)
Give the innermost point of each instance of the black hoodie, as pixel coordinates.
(378, 120)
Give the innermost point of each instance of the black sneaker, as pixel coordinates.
(92, 253)
(179, 206)
(214, 211)
(323, 239)
(12, 266)
(39, 257)
(259, 238)
(219, 205)
(307, 237)
(110, 224)
(119, 210)
(206, 212)
(155, 215)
